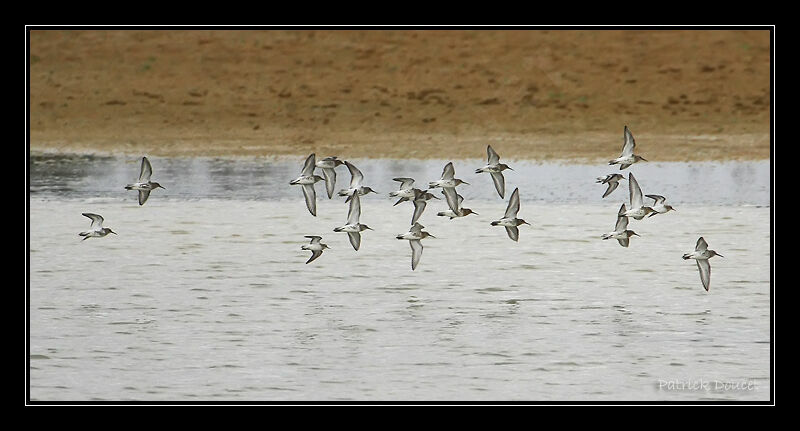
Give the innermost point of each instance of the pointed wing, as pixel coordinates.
(623, 166)
(513, 205)
(416, 252)
(658, 199)
(705, 272)
(356, 177)
(701, 245)
(146, 172)
(635, 192)
(449, 171)
(354, 214)
(452, 198)
(314, 254)
(493, 157)
(330, 180)
(419, 207)
(400, 201)
(513, 232)
(628, 144)
(143, 195)
(355, 239)
(97, 220)
(622, 221)
(624, 242)
(416, 229)
(309, 165)
(311, 198)
(612, 185)
(405, 183)
(499, 183)
(314, 239)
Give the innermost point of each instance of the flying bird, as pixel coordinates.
(495, 168)
(307, 179)
(627, 158)
(96, 230)
(510, 220)
(144, 185)
(315, 247)
(701, 255)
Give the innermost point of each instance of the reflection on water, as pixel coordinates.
(204, 295)
(713, 183)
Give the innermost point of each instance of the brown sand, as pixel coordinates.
(686, 95)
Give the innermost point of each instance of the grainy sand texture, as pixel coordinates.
(532, 94)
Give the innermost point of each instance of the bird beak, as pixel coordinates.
(113, 232)
(466, 183)
(162, 187)
(643, 159)
(720, 255)
(431, 236)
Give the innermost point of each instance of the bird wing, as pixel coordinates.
(146, 172)
(314, 239)
(143, 195)
(416, 229)
(97, 220)
(355, 239)
(499, 183)
(330, 180)
(658, 199)
(513, 232)
(355, 176)
(628, 144)
(622, 221)
(309, 165)
(635, 192)
(701, 245)
(624, 241)
(405, 183)
(354, 214)
(513, 205)
(311, 198)
(314, 254)
(705, 272)
(612, 185)
(416, 252)
(493, 157)
(452, 198)
(419, 207)
(449, 171)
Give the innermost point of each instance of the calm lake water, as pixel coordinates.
(205, 294)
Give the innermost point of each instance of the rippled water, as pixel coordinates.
(204, 294)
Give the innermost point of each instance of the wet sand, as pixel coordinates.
(541, 95)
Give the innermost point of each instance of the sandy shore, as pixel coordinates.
(686, 95)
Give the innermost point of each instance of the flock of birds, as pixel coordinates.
(448, 183)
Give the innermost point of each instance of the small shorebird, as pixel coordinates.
(96, 230)
(621, 232)
(454, 201)
(406, 191)
(510, 220)
(627, 157)
(144, 185)
(353, 227)
(414, 237)
(495, 168)
(638, 210)
(356, 177)
(701, 255)
(307, 180)
(328, 166)
(612, 180)
(448, 178)
(658, 205)
(315, 247)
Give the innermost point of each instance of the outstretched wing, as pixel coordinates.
(419, 207)
(622, 221)
(356, 177)
(354, 213)
(612, 185)
(513, 232)
(97, 220)
(513, 205)
(701, 245)
(143, 195)
(452, 198)
(309, 165)
(416, 252)
(449, 171)
(314, 238)
(355, 239)
(624, 241)
(628, 144)
(635, 192)
(705, 272)
(657, 198)
(311, 198)
(493, 157)
(499, 183)
(314, 254)
(146, 172)
(405, 183)
(330, 180)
